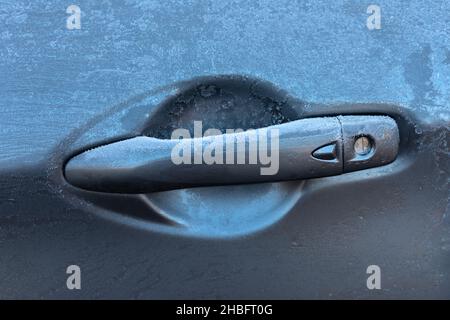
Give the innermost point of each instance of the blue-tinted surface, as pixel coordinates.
(53, 81)
(320, 51)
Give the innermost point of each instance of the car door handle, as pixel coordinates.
(301, 149)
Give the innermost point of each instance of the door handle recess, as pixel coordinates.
(306, 148)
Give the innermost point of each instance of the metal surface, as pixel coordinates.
(62, 90)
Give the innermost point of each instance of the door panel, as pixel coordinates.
(141, 68)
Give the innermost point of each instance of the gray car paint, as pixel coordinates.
(55, 81)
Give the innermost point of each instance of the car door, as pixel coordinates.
(78, 76)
